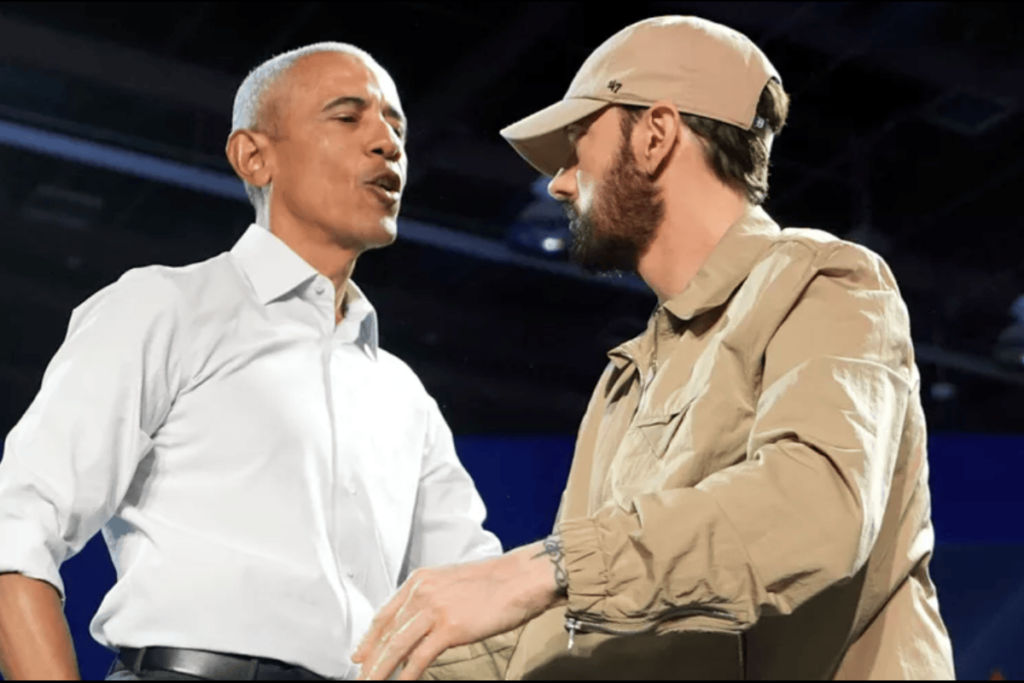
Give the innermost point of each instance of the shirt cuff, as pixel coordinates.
(25, 550)
(584, 564)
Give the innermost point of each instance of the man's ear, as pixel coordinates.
(662, 127)
(251, 155)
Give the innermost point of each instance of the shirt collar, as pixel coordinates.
(271, 266)
(729, 264)
(275, 270)
(360, 322)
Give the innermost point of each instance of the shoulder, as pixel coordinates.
(144, 292)
(200, 284)
(399, 375)
(846, 294)
(821, 254)
(151, 294)
(814, 284)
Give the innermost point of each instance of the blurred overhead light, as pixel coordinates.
(943, 391)
(1017, 309)
(539, 238)
(553, 245)
(541, 228)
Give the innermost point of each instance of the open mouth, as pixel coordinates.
(387, 186)
(388, 197)
(388, 180)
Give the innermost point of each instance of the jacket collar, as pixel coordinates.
(729, 264)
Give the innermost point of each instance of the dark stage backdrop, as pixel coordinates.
(978, 513)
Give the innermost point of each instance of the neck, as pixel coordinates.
(314, 246)
(697, 216)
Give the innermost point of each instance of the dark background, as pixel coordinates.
(905, 134)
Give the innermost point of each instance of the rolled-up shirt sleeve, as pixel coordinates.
(69, 461)
(448, 521)
(803, 510)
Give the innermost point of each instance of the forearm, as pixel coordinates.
(539, 574)
(550, 553)
(764, 535)
(441, 608)
(35, 643)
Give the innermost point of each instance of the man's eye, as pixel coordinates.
(349, 119)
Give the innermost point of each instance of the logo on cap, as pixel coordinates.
(614, 86)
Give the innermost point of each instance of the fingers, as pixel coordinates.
(396, 648)
(429, 649)
(380, 622)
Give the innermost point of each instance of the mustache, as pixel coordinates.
(571, 214)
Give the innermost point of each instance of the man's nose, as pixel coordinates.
(387, 143)
(563, 185)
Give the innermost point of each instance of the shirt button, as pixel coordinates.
(319, 290)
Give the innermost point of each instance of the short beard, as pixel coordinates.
(620, 226)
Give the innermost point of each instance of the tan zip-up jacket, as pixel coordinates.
(749, 492)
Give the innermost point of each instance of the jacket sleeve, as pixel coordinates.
(803, 510)
(70, 459)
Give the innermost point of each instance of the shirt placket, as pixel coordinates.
(325, 303)
(614, 430)
(354, 538)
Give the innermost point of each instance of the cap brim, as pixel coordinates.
(540, 138)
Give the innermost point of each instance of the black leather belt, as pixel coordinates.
(212, 665)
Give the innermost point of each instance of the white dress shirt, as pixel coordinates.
(264, 479)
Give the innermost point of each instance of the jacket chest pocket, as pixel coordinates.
(659, 432)
(657, 451)
(686, 445)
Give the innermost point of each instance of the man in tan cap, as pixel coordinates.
(749, 496)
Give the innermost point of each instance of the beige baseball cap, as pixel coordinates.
(705, 68)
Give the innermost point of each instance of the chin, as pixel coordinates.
(390, 227)
(383, 234)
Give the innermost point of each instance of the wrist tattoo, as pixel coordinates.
(553, 549)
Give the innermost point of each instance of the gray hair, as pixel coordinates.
(250, 101)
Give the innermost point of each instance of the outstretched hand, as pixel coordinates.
(443, 607)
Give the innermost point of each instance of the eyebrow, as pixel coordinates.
(361, 104)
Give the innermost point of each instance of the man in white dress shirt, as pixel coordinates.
(264, 475)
